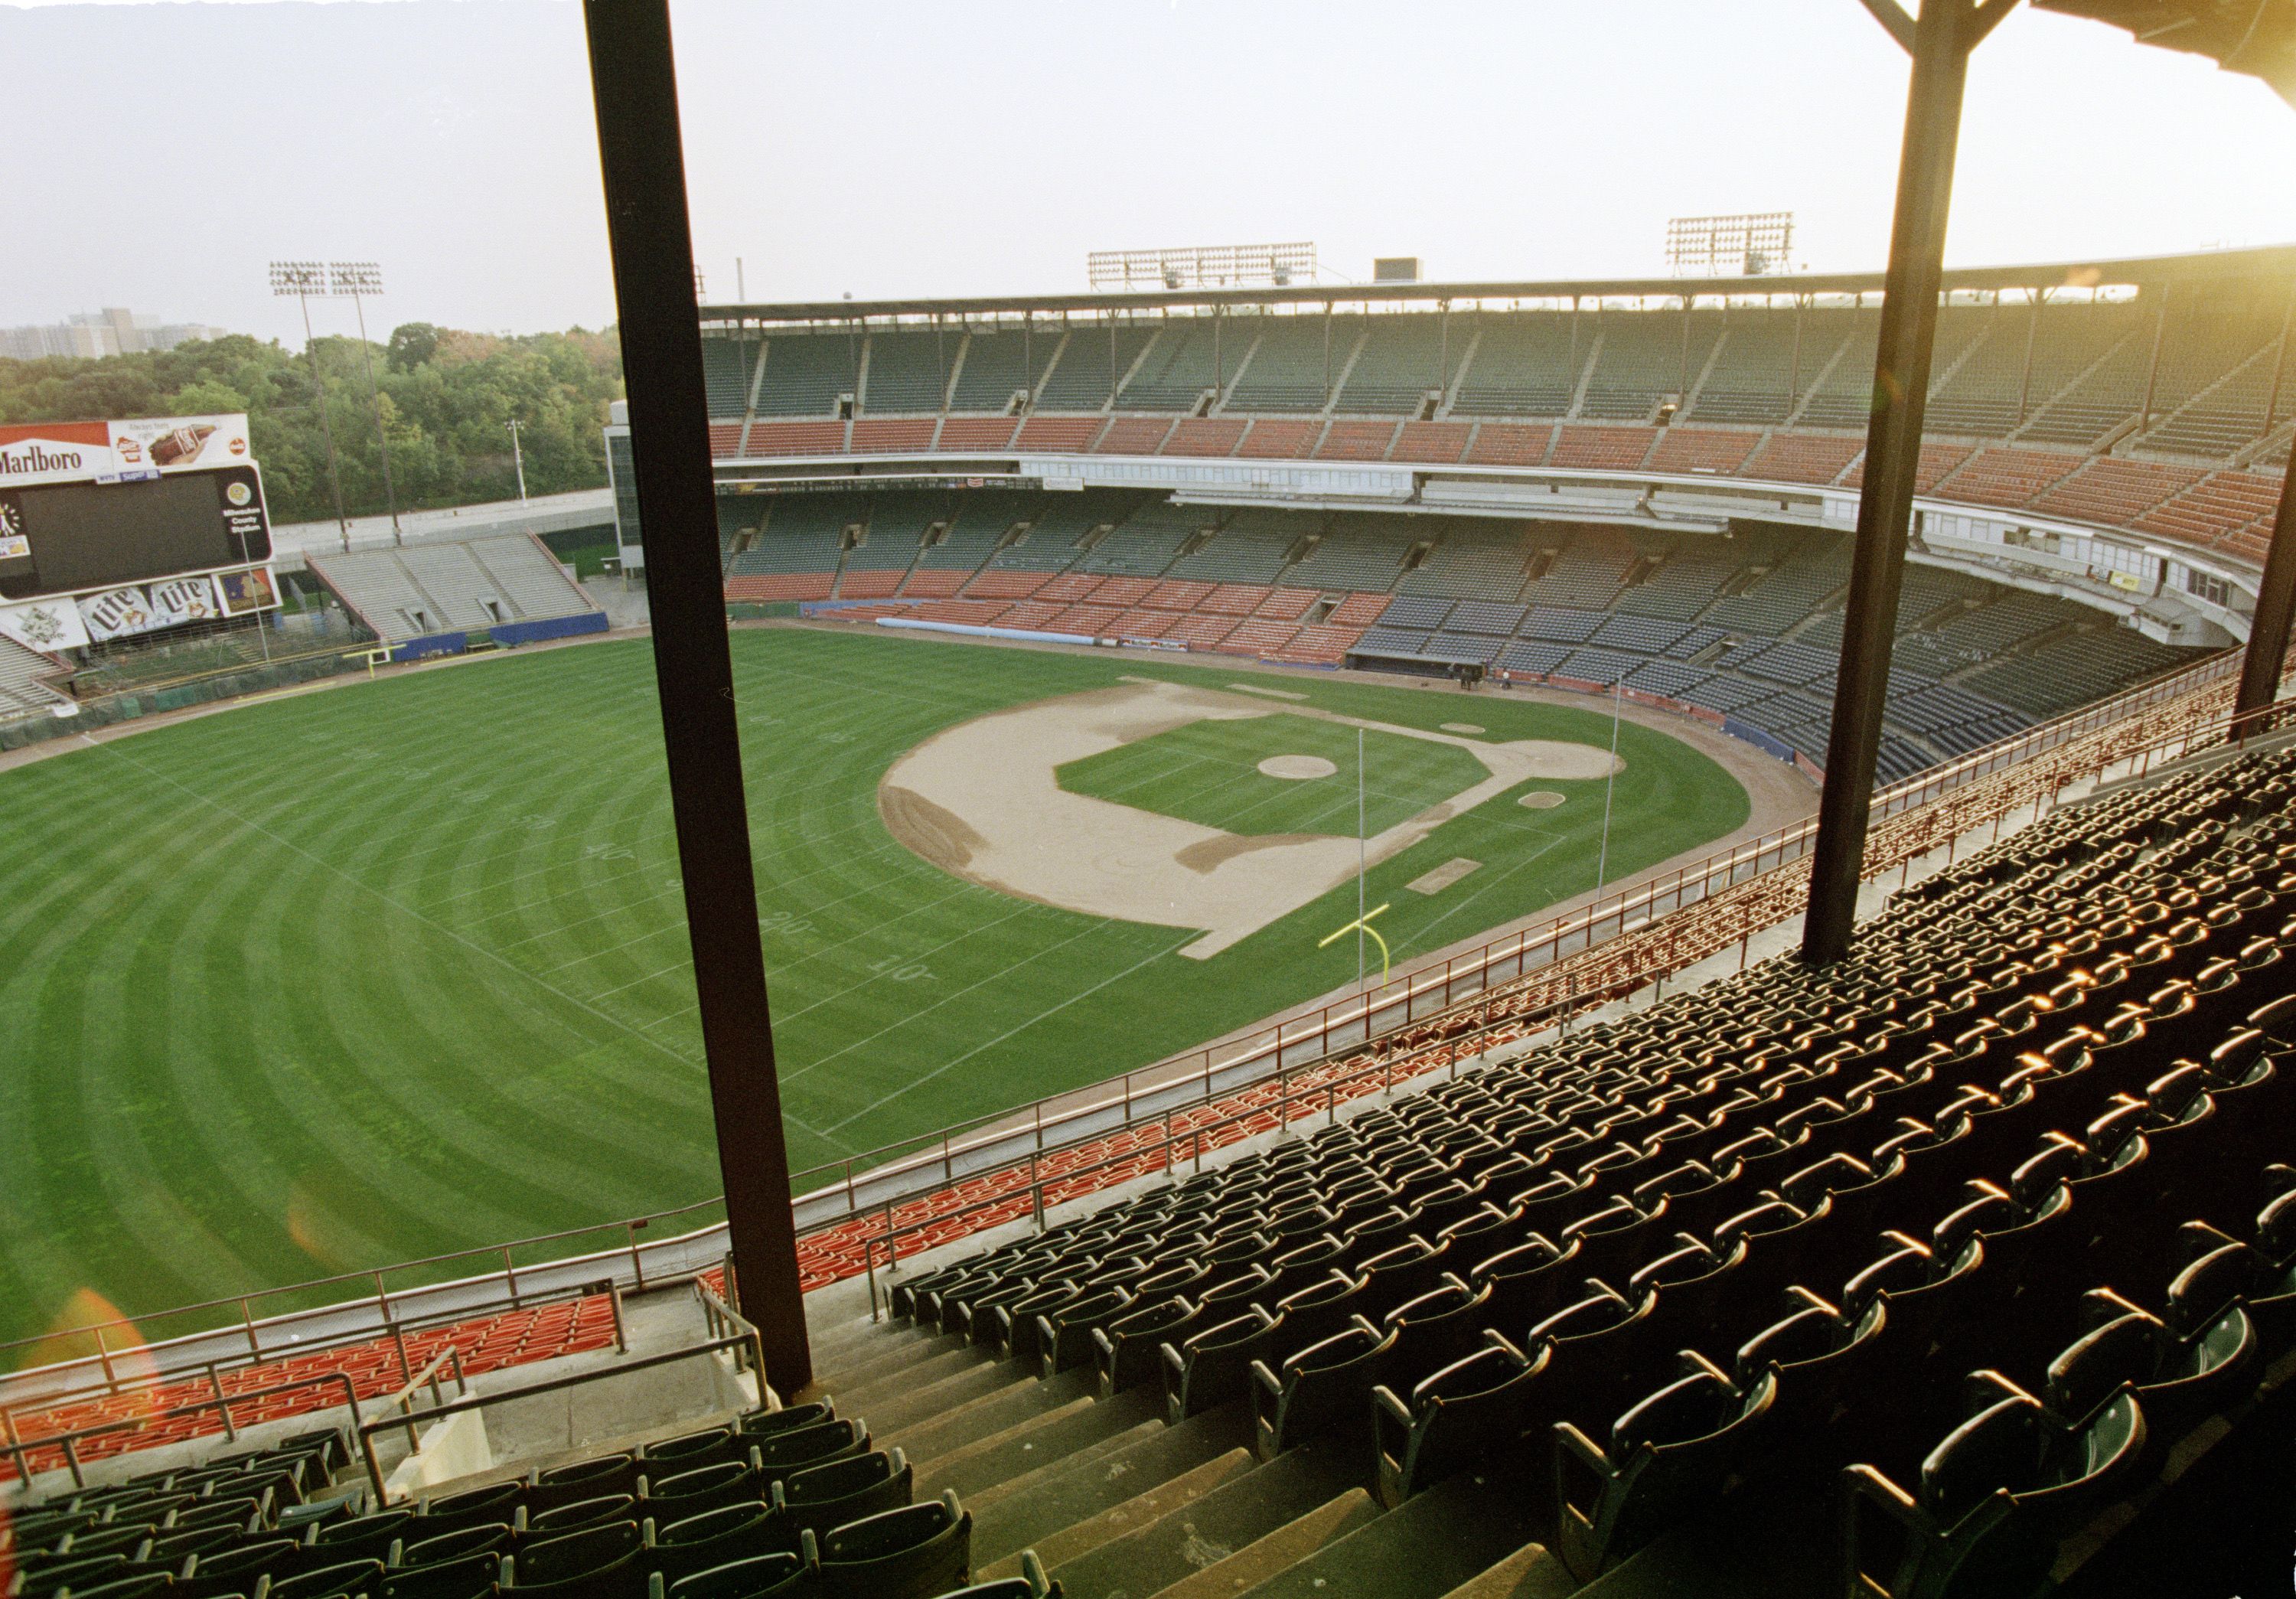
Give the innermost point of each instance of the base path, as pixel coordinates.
(983, 800)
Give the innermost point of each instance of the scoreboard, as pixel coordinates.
(111, 528)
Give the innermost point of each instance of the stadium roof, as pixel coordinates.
(2255, 37)
(2266, 261)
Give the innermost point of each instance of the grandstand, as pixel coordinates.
(2153, 403)
(22, 669)
(510, 586)
(1753, 619)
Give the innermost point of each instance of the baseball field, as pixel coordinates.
(390, 968)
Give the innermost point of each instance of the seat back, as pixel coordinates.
(782, 1453)
(582, 1513)
(458, 1545)
(706, 1487)
(472, 1577)
(917, 1552)
(717, 1538)
(353, 1577)
(571, 1556)
(845, 1490)
(759, 1576)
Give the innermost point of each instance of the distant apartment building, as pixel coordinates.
(91, 335)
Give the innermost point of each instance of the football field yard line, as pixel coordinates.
(905, 1021)
(777, 973)
(1417, 935)
(674, 887)
(916, 955)
(415, 915)
(1012, 1032)
(641, 869)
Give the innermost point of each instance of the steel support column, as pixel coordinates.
(1940, 42)
(635, 81)
(2275, 598)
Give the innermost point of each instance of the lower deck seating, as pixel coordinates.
(173, 1413)
(1752, 613)
(787, 1502)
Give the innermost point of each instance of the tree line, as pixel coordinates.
(447, 397)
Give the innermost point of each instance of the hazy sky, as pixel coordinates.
(161, 154)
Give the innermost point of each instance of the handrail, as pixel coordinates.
(397, 1328)
(743, 1340)
(21, 1449)
(1196, 1134)
(1626, 910)
(428, 1375)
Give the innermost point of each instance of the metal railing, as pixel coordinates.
(53, 1387)
(871, 1183)
(729, 1333)
(1198, 1137)
(428, 1376)
(20, 1450)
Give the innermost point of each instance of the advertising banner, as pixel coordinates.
(45, 625)
(254, 588)
(119, 452)
(124, 612)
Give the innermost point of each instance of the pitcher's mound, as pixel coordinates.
(1540, 800)
(1296, 765)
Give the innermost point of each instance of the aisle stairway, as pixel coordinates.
(1114, 1502)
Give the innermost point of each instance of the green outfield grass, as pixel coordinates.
(374, 972)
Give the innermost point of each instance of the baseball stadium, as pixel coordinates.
(1470, 938)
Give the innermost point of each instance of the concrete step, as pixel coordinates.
(1787, 1547)
(965, 1417)
(842, 1345)
(891, 1409)
(892, 1365)
(1176, 1546)
(1058, 1434)
(1421, 1549)
(1531, 1572)
(1007, 1517)
(1079, 1537)
(1298, 1539)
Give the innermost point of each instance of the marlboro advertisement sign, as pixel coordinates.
(119, 452)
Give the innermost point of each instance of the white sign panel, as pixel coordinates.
(45, 625)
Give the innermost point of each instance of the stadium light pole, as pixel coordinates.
(634, 82)
(1940, 41)
(354, 280)
(517, 458)
(302, 280)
